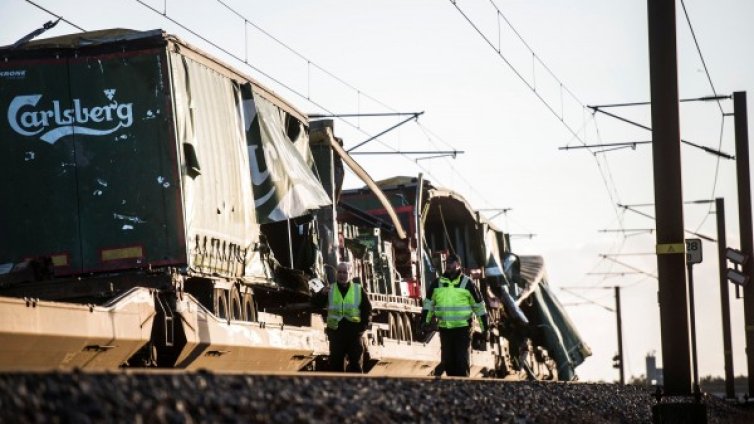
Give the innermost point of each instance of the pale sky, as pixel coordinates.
(422, 55)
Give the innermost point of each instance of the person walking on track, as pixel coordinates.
(454, 299)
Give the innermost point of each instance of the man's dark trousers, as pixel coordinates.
(346, 341)
(455, 344)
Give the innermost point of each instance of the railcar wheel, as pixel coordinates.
(235, 308)
(393, 332)
(221, 304)
(407, 330)
(249, 308)
(399, 334)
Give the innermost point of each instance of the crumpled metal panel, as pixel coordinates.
(533, 273)
(564, 343)
(218, 200)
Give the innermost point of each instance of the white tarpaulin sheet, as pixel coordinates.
(284, 185)
(219, 207)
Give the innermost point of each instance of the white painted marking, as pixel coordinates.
(134, 219)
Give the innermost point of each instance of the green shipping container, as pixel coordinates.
(123, 150)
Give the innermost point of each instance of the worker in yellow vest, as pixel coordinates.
(348, 314)
(454, 300)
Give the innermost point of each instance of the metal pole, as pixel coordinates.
(692, 319)
(414, 116)
(730, 391)
(620, 334)
(419, 234)
(666, 158)
(744, 219)
(290, 243)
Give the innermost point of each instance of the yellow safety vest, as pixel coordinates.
(453, 304)
(347, 307)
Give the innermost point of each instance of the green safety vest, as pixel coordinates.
(347, 307)
(453, 304)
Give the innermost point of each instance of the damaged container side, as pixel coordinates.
(90, 166)
(218, 204)
(124, 154)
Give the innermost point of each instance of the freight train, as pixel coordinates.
(162, 209)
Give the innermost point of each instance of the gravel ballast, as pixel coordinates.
(202, 397)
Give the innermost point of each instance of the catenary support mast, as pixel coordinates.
(745, 225)
(666, 158)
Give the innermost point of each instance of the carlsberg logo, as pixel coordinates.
(55, 122)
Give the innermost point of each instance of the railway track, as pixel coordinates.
(175, 396)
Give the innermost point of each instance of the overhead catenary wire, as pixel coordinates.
(714, 181)
(570, 291)
(646, 103)
(306, 97)
(534, 55)
(309, 61)
(612, 189)
(520, 76)
(245, 61)
(701, 56)
(360, 93)
(631, 267)
(638, 125)
(532, 88)
(644, 214)
(276, 81)
(56, 15)
(575, 133)
(452, 153)
(722, 112)
(715, 97)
